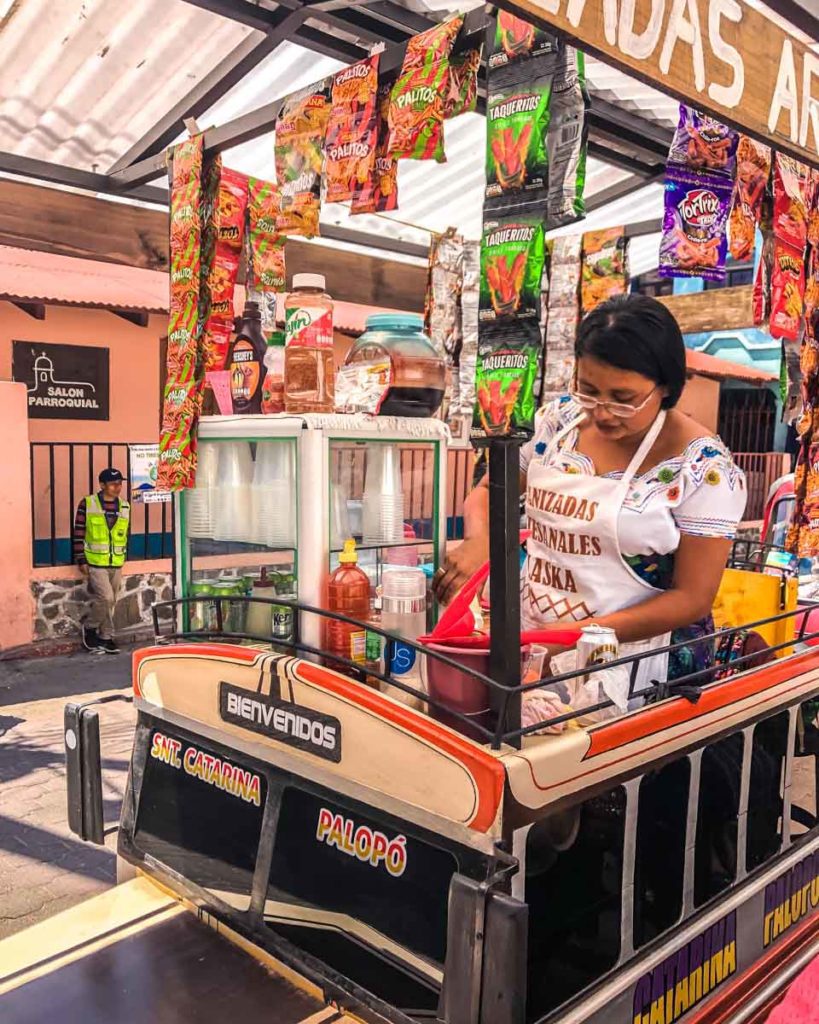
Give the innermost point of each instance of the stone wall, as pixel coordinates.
(60, 605)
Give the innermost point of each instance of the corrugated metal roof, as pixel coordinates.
(63, 280)
(722, 369)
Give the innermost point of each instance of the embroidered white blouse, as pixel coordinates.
(700, 492)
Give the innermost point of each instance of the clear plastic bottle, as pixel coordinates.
(273, 386)
(309, 374)
(348, 593)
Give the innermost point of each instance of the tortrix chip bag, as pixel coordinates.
(352, 131)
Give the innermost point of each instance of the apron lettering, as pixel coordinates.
(541, 571)
(562, 504)
(564, 541)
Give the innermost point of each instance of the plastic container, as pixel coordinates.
(404, 611)
(348, 593)
(273, 386)
(309, 367)
(383, 504)
(418, 373)
(246, 362)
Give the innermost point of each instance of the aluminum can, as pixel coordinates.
(283, 619)
(596, 646)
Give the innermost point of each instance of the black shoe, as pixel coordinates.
(108, 647)
(90, 638)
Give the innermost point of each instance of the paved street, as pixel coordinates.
(43, 867)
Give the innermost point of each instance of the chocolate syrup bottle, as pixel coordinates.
(246, 362)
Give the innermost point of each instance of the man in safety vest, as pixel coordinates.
(100, 546)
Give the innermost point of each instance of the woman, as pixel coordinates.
(632, 505)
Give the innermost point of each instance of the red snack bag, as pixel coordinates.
(215, 343)
(177, 457)
(299, 152)
(753, 171)
(787, 291)
(352, 131)
(416, 113)
(266, 244)
(231, 211)
(813, 208)
(790, 207)
(379, 193)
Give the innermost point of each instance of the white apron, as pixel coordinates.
(574, 569)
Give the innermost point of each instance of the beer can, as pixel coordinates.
(283, 619)
(596, 646)
(203, 612)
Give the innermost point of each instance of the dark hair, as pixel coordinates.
(636, 332)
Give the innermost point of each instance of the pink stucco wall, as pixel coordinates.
(16, 606)
(134, 394)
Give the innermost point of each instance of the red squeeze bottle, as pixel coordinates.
(348, 593)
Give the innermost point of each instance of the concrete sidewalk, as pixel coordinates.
(44, 868)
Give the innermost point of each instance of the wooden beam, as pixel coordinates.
(722, 309)
(34, 309)
(71, 224)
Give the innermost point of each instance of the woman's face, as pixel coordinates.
(623, 387)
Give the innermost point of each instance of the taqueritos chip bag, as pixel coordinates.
(512, 258)
(416, 113)
(515, 39)
(300, 132)
(352, 131)
(505, 376)
(517, 118)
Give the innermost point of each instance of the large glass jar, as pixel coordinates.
(418, 372)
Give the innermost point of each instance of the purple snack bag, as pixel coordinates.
(695, 242)
(703, 144)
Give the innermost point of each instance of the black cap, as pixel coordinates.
(111, 476)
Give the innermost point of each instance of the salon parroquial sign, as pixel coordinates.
(64, 382)
(721, 56)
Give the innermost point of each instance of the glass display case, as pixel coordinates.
(277, 496)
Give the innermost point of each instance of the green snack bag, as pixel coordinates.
(505, 376)
(567, 141)
(512, 257)
(512, 40)
(517, 119)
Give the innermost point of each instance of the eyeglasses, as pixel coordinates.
(619, 409)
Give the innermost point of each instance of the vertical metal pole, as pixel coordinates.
(52, 505)
(504, 562)
(32, 448)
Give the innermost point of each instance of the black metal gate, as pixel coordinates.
(747, 419)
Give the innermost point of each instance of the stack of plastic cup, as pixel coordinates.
(199, 500)
(232, 505)
(273, 518)
(383, 511)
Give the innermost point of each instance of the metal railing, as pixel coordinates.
(761, 469)
(62, 473)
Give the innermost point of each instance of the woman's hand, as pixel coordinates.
(462, 563)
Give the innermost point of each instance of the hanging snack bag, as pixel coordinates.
(177, 447)
(787, 291)
(379, 193)
(512, 257)
(416, 113)
(505, 376)
(233, 188)
(701, 143)
(567, 140)
(753, 171)
(352, 131)
(604, 271)
(791, 184)
(462, 96)
(694, 240)
(813, 207)
(300, 132)
(266, 244)
(514, 39)
(517, 118)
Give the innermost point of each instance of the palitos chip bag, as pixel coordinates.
(416, 113)
(515, 39)
(300, 130)
(787, 291)
(753, 171)
(267, 262)
(694, 242)
(379, 193)
(352, 131)
(604, 272)
(462, 96)
(512, 258)
(506, 372)
(517, 118)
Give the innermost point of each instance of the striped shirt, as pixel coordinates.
(111, 509)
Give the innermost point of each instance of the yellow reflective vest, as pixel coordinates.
(104, 547)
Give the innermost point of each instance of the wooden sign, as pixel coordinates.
(720, 56)
(719, 309)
